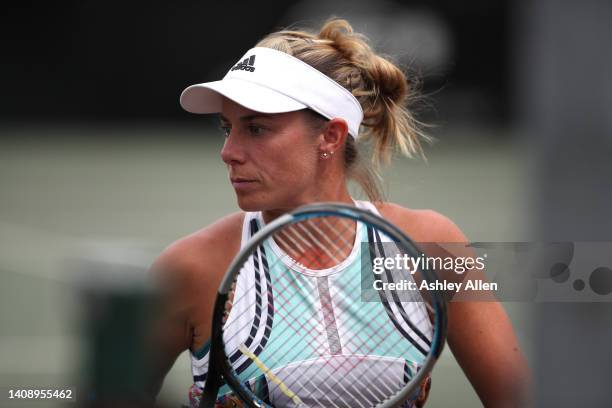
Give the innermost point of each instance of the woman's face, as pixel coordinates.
(271, 158)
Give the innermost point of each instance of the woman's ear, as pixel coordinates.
(334, 136)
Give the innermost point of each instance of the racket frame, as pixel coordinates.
(219, 367)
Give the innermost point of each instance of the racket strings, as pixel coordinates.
(316, 349)
(313, 238)
(335, 248)
(347, 367)
(355, 379)
(365, 386)
(301, 329)
(324, 220)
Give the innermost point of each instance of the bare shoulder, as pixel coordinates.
(187, 274)
(422, 225)
(203, 252)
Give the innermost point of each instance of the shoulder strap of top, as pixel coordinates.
(366, 205)
(249, 217)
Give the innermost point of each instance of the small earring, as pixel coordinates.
(324, 155)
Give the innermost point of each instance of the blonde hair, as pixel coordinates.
(379, 85)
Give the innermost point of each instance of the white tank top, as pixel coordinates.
(326, 307)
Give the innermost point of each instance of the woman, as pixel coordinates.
(293, 111)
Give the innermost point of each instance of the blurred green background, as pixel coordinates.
(67, 187)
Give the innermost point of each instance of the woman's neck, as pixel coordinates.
(340, 197)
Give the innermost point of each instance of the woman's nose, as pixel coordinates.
(232, 151)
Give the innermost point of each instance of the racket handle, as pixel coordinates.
(208, 400)
(213, 380)
(211, 388)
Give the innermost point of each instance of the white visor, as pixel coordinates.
(269, 81)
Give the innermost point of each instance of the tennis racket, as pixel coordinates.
(302, 318)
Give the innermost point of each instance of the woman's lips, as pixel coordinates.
(242, 184)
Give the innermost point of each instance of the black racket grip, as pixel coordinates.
(211, 388)
(208, 400)
(215, 356)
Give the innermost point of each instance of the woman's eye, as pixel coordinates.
(226, 130)
(255, 130)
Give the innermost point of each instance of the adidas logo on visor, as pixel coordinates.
(248, 64)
